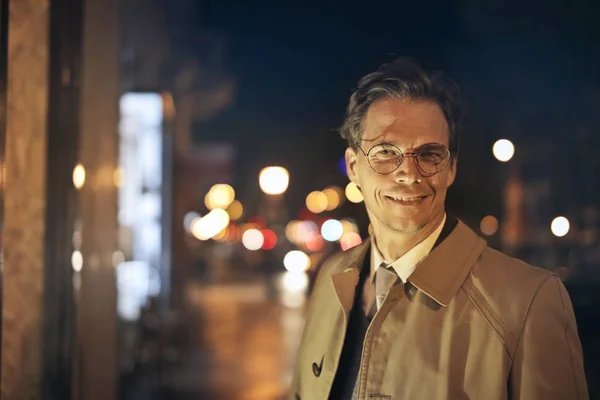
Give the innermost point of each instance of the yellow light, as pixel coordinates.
(119, 177)
(78, 176)
(333, 198)
(560, 226)
(253, 239)
(274, 180)
(219, 196)
(210, 225)
(489, 225)
(503, 150)
(291, 230)
(349, 226)
(296, 261)
(235, 210)
(353, 193)
(316, 202)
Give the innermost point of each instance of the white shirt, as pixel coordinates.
(407, 263)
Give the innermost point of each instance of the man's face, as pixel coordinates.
(406, 124)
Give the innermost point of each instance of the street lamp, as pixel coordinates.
(274, 180)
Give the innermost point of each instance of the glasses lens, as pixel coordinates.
(432, 158)
(385, 158)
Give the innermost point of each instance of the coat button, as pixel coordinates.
(317, 368)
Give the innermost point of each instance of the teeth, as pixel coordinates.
(406, 198)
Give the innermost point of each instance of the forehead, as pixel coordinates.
(405, 122)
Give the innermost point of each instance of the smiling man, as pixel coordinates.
(424, 309)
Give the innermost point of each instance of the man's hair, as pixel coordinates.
(403, 78)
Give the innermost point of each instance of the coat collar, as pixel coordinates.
(439, 276)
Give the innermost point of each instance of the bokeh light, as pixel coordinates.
(313, 242)
(269, 239)
(349, 240)
(348, 225)
(503, 150)
(334, 197)
(235, 210)
(253, 239)
(560, 226)
(274, 180)
(219, 196)
(489, 225)
(353, 193)
(316, 202)
(78, 176)
(332, 230)
(296, 261)
(211, 224)
(188, 219)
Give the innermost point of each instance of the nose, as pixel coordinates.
(407, 172)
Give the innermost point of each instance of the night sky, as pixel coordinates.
(528, 71)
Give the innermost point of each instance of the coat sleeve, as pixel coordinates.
(548, 361)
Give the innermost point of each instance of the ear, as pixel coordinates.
(351, 166)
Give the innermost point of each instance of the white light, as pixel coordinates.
(253, 239)
(77, 260)
(274, 180)
(294, 281)
(78, 176)
(503, 150)
(189, 219)
(296, 261)
(332, 230)
(212, 223)
(560, 226)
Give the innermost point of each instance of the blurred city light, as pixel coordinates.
(219, 196)
(316, 202)
(78, 176)
(269, 239)
(349, 226)
(332, 230)
(353, 193)
(188, 220)
(119, 177)
(253, 239)
(274, 180)
(503, 150)
(211, 224)
(296, 261)
(489, 225)
(313, 241)
(293, 288)
(341, 166)
(77, 260)
(235, 210)
(349, 240)
(334, 198)
(560, 226)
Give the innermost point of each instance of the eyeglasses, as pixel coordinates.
(430, 158)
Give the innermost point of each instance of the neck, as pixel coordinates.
(393, 244)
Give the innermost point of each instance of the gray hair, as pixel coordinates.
(403, 78)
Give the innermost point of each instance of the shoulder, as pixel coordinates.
(504, 288)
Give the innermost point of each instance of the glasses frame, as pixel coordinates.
(408, 153)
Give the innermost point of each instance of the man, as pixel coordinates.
(424, 309)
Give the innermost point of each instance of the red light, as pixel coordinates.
(314, 242)
(270, 239)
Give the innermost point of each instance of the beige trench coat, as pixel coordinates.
(471, 323)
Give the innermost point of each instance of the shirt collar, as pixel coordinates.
(406, 264)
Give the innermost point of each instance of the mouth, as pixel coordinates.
(411, 200)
